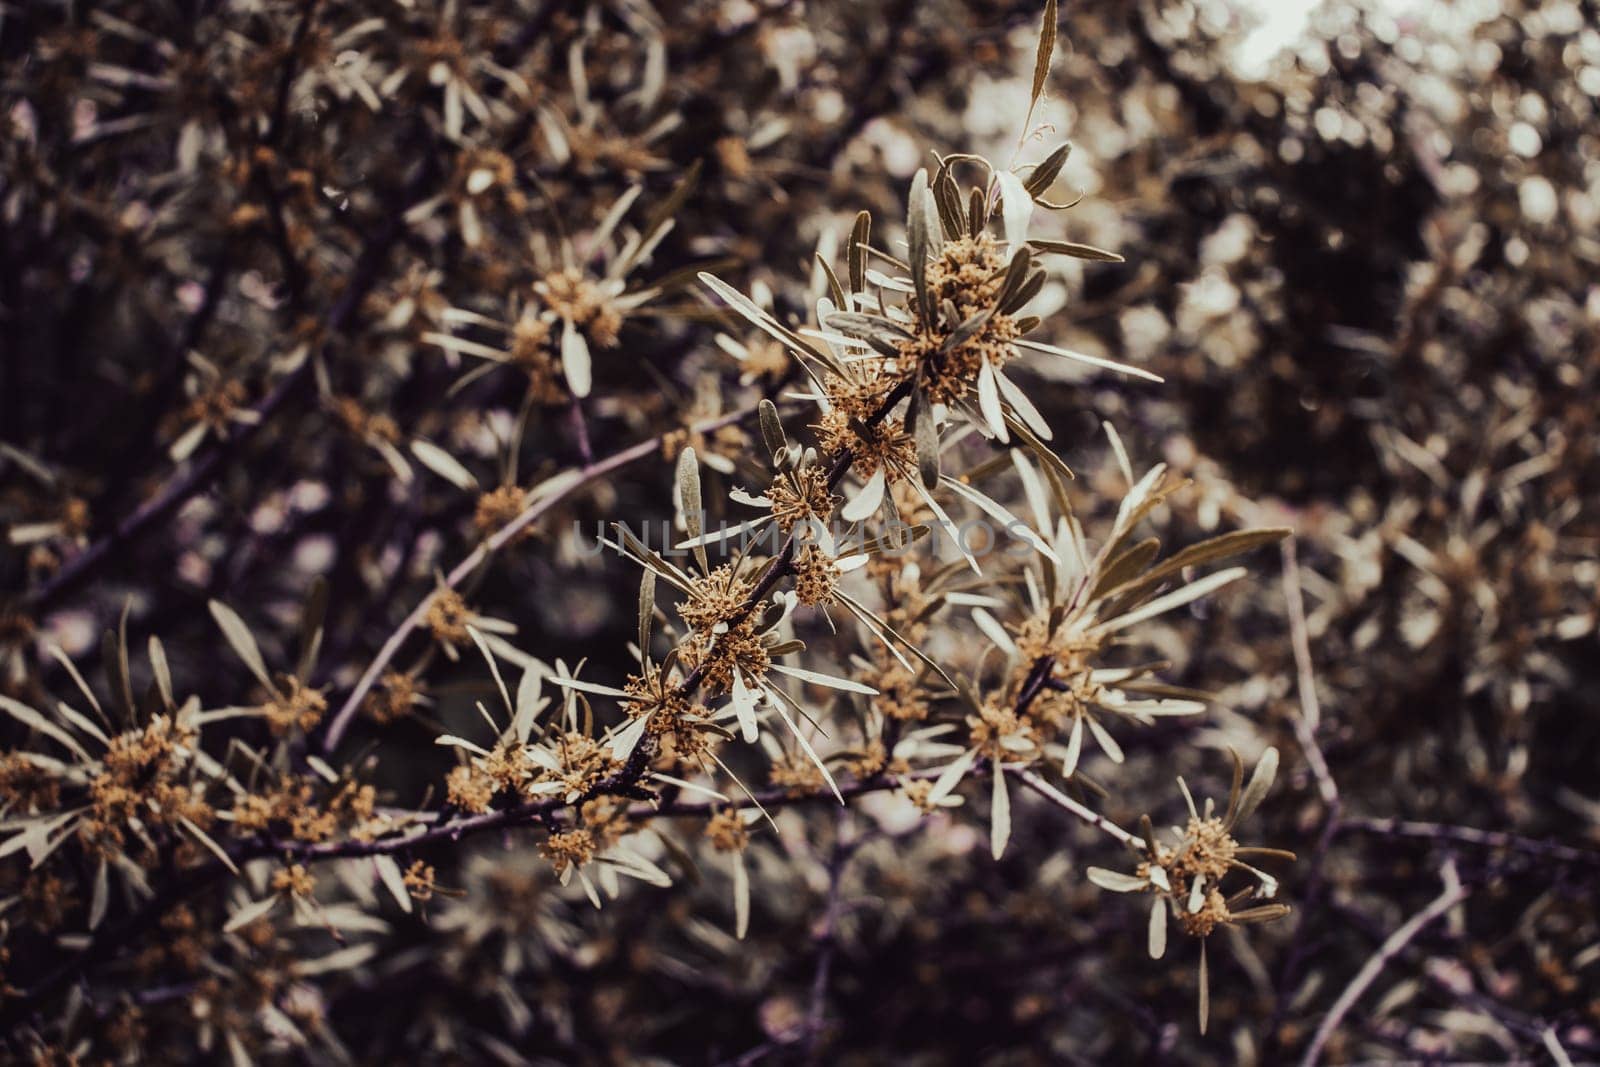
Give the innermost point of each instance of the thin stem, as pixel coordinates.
(1305, 724)
(826, 938)
(1078, 811)
(772, 799)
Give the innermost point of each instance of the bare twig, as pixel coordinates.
(1552, 1044)
(1454, 892)
(1305, 724)
(1528, 1027)
(1310, 717)
(1072, 807)
(772, 799)
(1439, 833)
(783, 797)
(826, 938)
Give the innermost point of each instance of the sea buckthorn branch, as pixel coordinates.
(1081, 812)
(448, 828)
(1305, 722)
(944, 347)
(106, 942)
(775, 799)
(224, 265)
(626, 780)
(936, 356)
(782, 565)
(365, 275)
(453, 826)
(558, 488)
(825, 939)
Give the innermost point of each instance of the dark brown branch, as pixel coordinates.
(1440, 834)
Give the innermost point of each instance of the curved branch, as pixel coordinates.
(1454, 892)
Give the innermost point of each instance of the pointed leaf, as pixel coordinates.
(1213, 550)
(1092, 361)
(394, 881)
(1040, 179)
(856, 254)
(689, 501)
(1069, 765)
(1260, 783)
(1116, 881)
(1177, 598)
(241, 640)
(741, 896)
(926, 435)
(845, 684)
(744, 707)
(102, 894)
(865, 503)
(952, 775)
(647, 611)
(772, 429)
(1041, 62)
(160, 671)
(528, 690)
(999, 815)
(627, 739)
(1075, 250)
(575, 360)
(989, 402)
(917, 238)
(250, 913)
(36, 721)
(443, 464)
(1158, 928)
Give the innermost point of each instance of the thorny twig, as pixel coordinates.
(1529, 1027)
